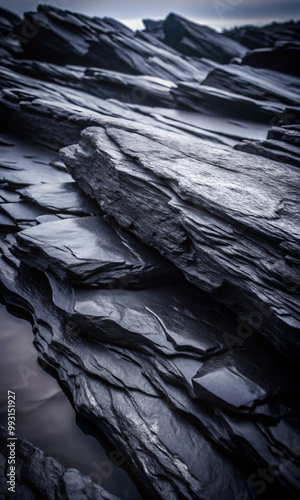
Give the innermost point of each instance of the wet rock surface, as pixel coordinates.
(158, 258)
(249, 226)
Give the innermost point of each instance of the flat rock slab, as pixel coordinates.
(256, 83)
(220, 217)
(89, 250)
(64, 197)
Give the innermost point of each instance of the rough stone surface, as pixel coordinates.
(228, 228)
(282, 145)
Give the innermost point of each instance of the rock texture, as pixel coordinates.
(40, 476)
(282, 144)
(138, 359)
(187, 357)
(192, 189)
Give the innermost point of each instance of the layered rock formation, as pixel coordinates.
(192, 39)
(266, 36)
(185, 357)
(282, 144)
(203, 189)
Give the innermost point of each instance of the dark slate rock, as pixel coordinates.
(8, 20)
(137, 89)
(40, 476)
(256, 83)
(125, 375)
(242, 379)
(22, 212)
(132, 413)
(55, 115)
(9, 196)
(63, 198)
(156, 28)
(255, 37)
(62, 37)
(283, 57)
(225, 102)
(7, 224)
(89, 250)
(236, 237)
(196, 40)
(9, 44)
(131, 359)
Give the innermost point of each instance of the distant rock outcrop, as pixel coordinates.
(255, 37)
(195, 40)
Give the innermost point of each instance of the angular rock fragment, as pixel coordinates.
(9, 44)
(63, 198)
(256, 83)
(89, 250)
(225, 102)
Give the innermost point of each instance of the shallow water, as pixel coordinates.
(44, 414)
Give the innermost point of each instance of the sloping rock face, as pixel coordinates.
(194, 40)
(40, 476)
(188, 181)
(186, 358)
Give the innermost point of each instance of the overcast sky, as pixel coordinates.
(216, 13)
